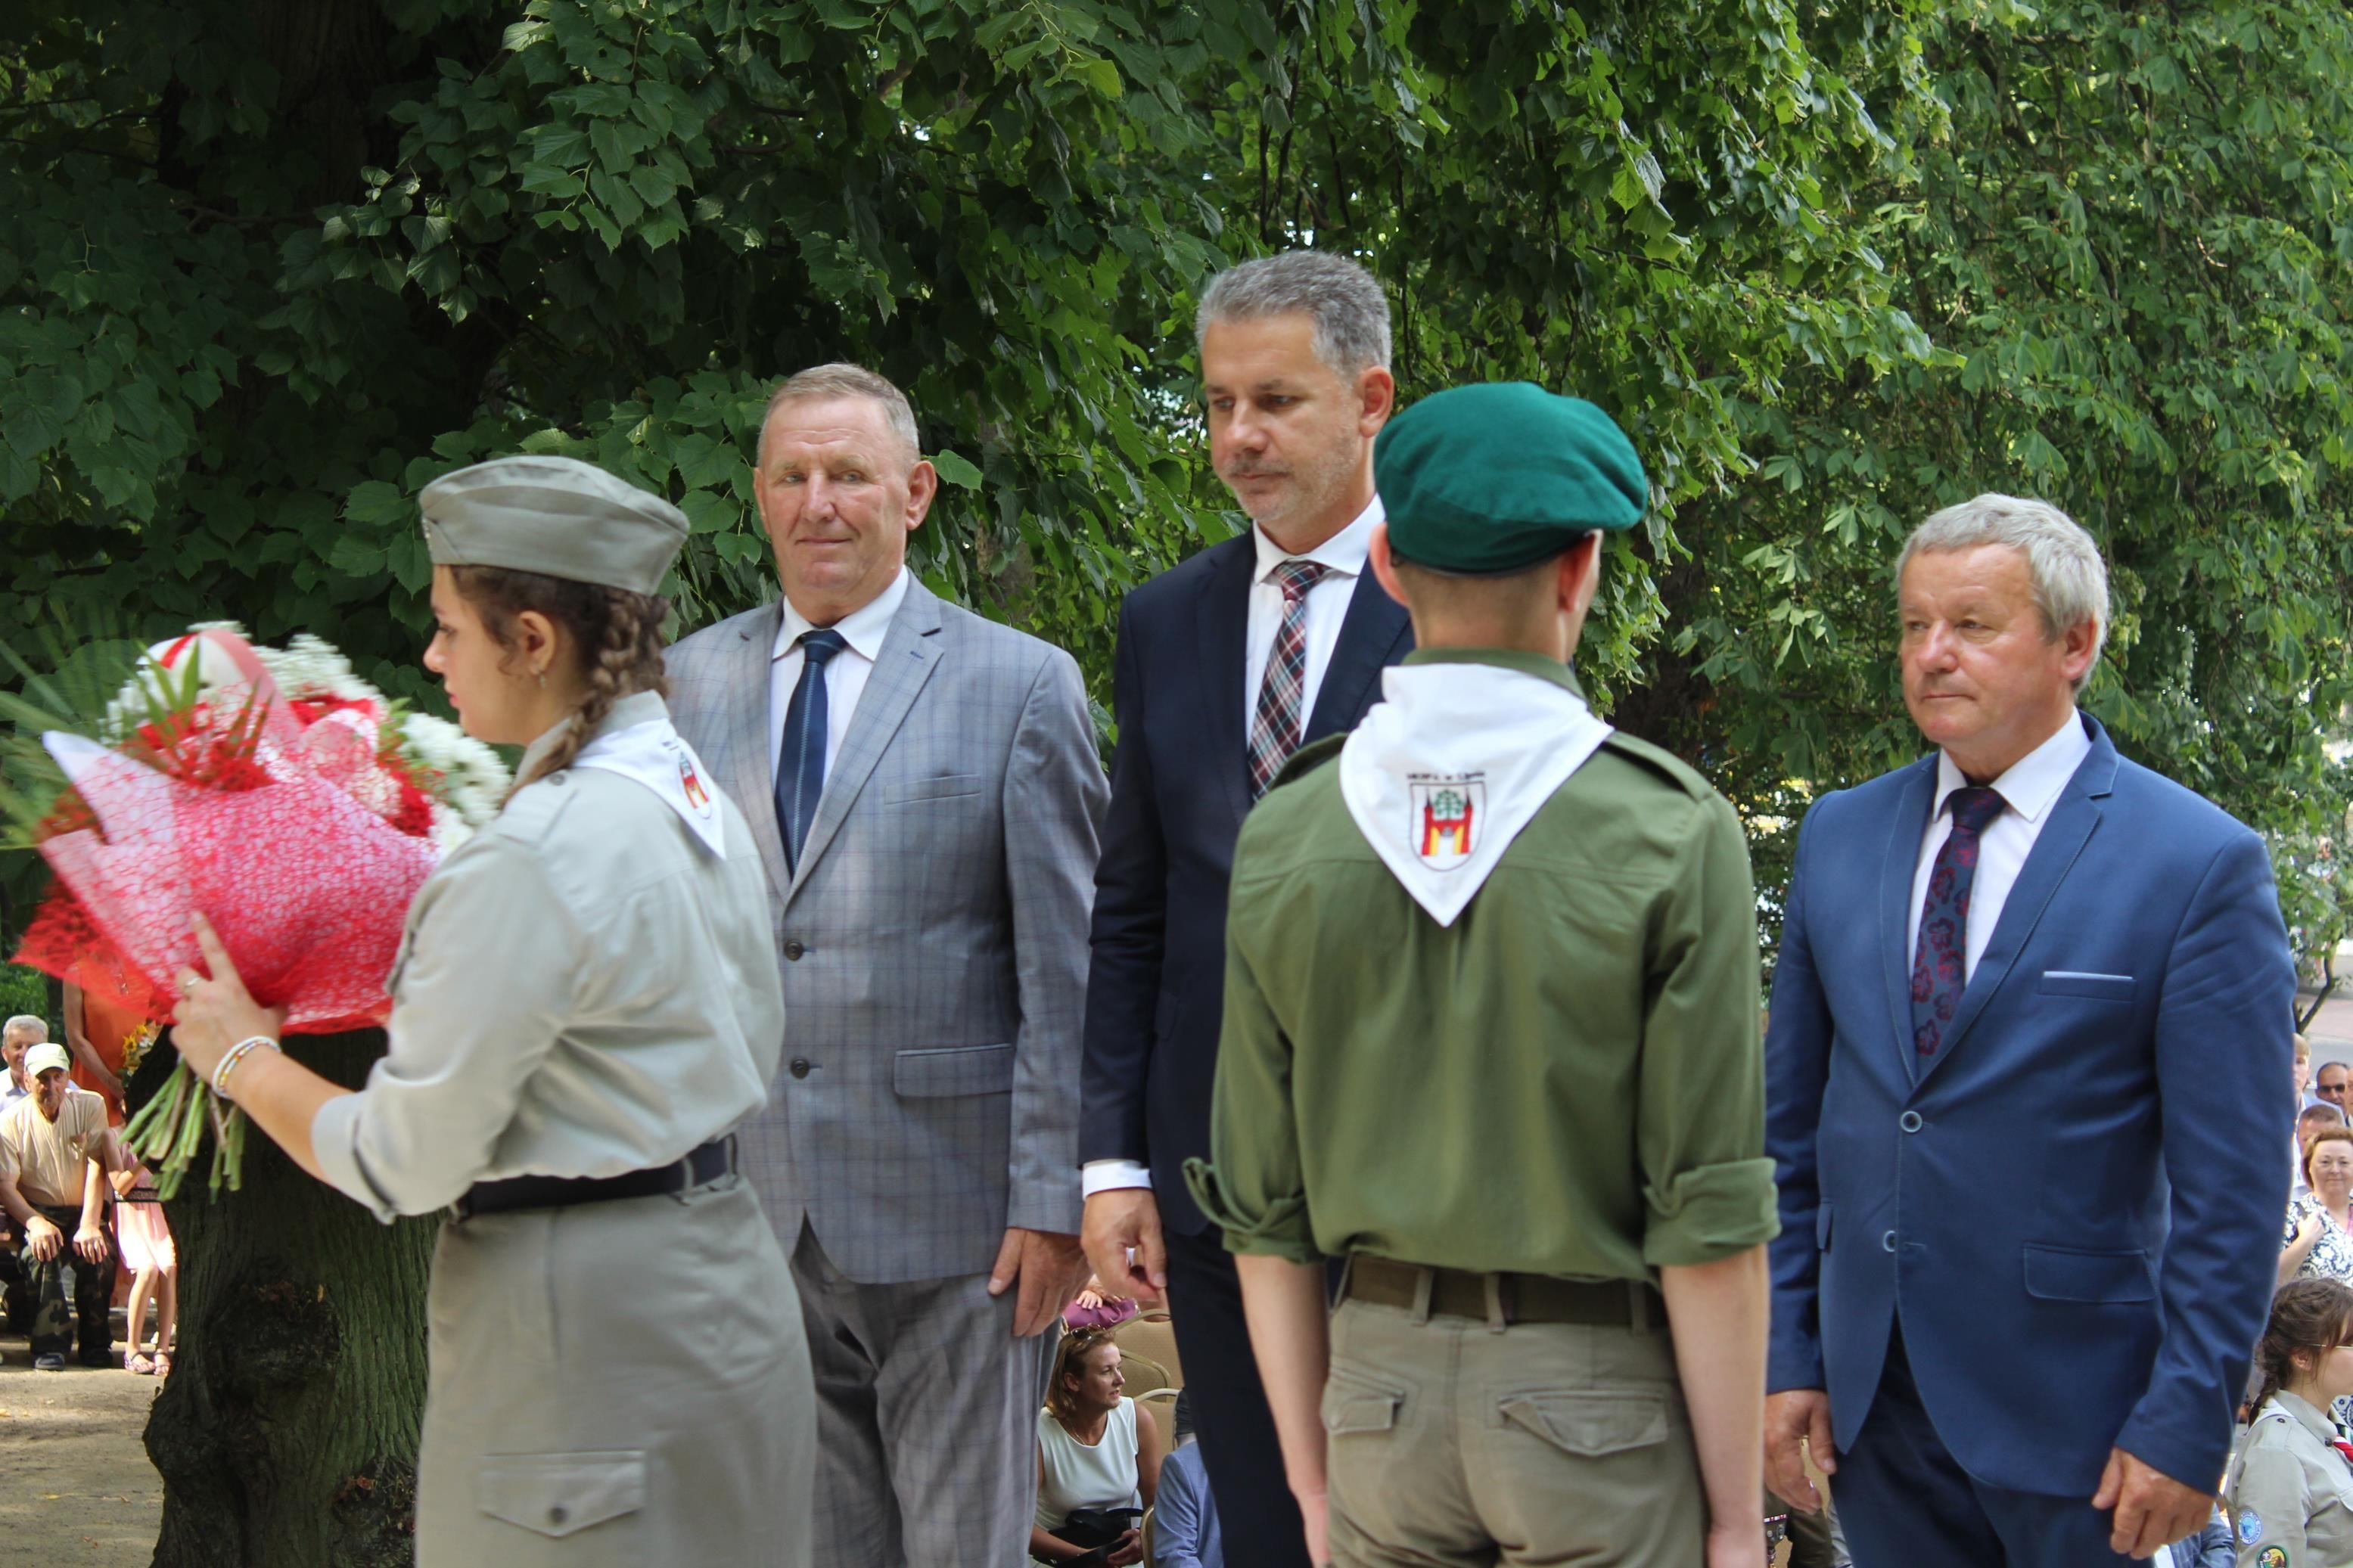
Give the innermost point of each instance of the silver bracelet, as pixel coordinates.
(236, 1054)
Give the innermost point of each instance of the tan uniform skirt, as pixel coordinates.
(619, 1382)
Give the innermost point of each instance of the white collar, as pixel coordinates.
(2033, 782)
(645, 748)
(863, 628)
(1343, 554)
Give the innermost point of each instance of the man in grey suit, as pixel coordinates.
(926, 791)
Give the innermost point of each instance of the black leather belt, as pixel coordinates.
(1513, 1297)
(703, 1167)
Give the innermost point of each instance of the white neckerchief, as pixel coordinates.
(1444, 773)
(654, 754)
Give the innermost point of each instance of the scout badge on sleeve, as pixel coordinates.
(2251, 1527)
(1444, 773)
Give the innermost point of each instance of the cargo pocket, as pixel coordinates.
(1588, 1423)
(557, 1495)
(1353, 1403)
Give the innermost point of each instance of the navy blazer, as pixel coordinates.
(2075, 1206)
(1179, 789)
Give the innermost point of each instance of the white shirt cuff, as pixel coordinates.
(1109, 1175)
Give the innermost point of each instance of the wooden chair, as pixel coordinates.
(1155, 1340)
(1144, 1374)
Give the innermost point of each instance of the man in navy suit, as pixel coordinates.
(2030, 1028)
(1227, 665)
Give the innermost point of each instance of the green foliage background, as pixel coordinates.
(271, 266)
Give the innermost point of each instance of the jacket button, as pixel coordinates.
(1887, 1241)
(1909, 1121)
(801, 1070)
(794, 950)
(556, 1514)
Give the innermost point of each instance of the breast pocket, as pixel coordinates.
(942, 787)
(2087, 985)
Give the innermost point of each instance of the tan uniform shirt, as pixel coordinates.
(2289, 1491)
(583, 991)
(50, 1160)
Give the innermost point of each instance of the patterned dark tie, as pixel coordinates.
(1940, 962)
(800, 760)
(1282, 715)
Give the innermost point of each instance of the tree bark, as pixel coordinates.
(286, 1434)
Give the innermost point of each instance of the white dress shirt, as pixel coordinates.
(1344, 555)
(2028, 790)
(863, 630)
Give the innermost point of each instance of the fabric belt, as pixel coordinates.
(1501, 1298)
(703, 1167)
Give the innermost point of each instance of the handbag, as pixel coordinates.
(1098, 1528)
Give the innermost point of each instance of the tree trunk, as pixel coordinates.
(287, 1434)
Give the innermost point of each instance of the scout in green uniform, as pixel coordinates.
(1491, 1035)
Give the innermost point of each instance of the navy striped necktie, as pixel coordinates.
(800, 760)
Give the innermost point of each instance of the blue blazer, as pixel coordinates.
(2075, 1207)
(1179, 789)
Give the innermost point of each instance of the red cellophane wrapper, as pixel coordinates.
(308, 887)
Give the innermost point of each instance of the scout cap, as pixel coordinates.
(42, 1058)
(1498, 477)
(555, 516)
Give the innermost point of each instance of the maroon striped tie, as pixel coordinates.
(1282, 717)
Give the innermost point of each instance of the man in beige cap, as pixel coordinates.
(55, 1148)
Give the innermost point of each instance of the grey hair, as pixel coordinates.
(2071, 581)
(26, 1024)
(841, 379)
(1350, 312)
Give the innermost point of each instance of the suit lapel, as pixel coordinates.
(1221, 621)
(910, 651)
(1369, 637)
(1895, 871)
(746, 772)
(2074, 817)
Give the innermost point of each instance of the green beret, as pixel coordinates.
(555, 516)
(1501, 475)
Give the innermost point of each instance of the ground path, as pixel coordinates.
(75, 1488)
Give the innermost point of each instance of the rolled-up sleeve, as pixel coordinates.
(1253, 1185)
(1707, 1184)
(485, 983)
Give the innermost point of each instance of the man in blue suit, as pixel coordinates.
(2031, 1027)
(1227, 665)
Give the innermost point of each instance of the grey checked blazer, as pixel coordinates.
(933, 944)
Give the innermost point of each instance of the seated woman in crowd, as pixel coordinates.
(2290, 1489)
(2317, 1243)
(1096, 1450)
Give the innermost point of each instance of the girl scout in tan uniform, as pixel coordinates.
(2290, 1489)
(585, 1004)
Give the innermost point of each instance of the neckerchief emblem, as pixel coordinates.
(692, 782)
(1446, 814)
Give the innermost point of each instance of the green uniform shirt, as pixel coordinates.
(1566, 1081)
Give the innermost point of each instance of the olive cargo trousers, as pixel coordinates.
(1452, 1443)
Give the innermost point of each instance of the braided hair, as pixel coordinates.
(2314, 1315)
(618, 633)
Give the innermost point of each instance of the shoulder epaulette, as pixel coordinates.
(1660, 761)
(531, 810)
